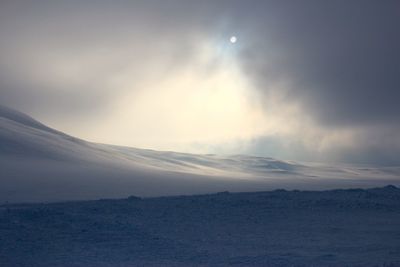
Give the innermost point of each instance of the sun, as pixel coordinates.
(233, 39)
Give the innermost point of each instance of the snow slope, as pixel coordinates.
(38, 163)
(273, 229)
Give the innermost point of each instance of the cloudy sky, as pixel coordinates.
(306, 80)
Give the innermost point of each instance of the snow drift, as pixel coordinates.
(38, 163)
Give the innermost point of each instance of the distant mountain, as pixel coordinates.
(38, 163)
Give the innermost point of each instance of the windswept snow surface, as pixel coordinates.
(338, 228)
(38, 163)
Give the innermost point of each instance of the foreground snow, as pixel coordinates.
(278, 228)
(38, 163)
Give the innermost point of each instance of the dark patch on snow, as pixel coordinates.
(278, 228)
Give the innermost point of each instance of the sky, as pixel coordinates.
(306, 80)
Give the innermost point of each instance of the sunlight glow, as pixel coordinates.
(207, 101)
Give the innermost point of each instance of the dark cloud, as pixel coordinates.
(57, 56)
(341, 58)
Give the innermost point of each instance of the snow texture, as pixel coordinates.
(38, 163)
(353, 227)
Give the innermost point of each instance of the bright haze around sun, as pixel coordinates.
(302, 81)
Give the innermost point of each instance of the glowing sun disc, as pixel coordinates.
(233, 39)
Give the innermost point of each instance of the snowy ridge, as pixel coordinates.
(19, 117)
(41, 164)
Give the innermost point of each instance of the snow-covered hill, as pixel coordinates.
(38, 163)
